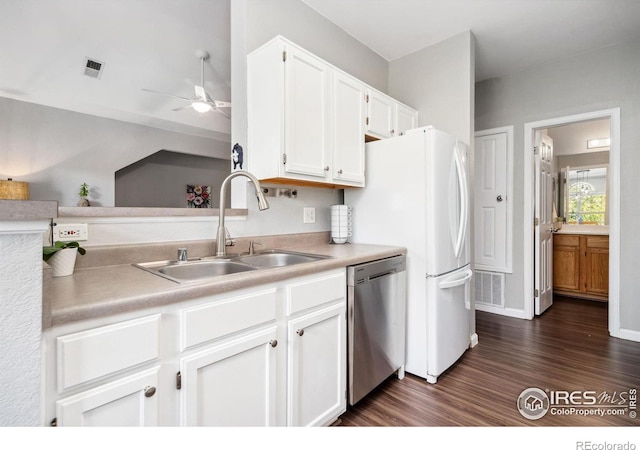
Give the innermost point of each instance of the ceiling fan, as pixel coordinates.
(201, 101)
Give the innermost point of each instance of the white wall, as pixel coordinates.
(304, 26)
(20, 322)
(573, 86)
(56, 150)
(439, 82)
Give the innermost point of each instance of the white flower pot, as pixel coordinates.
(63, 262)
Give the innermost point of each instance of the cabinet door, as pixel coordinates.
(316, 382)
(127, 402)
(406, 119)
(231, 384)
(306, 106)
(348, 129)
(596, 265)
(380, 114)
(566, 268)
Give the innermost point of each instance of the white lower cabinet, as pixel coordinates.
(317, 367)
(125, 402)
(231, 384)
(270, 355)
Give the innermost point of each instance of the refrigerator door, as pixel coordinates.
(449, 335)
(447, 199)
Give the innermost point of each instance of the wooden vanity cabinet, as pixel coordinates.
(581, 265)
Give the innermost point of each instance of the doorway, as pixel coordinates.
(613, 208)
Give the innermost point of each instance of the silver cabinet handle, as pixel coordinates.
(340, 172)
(326, 168)
(300, 332)
(149, 391)
(273, 343)
(499, 198)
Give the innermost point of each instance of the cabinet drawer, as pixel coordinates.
(567, 240)
(91, 354)
(597, 241)
(219, 318)
(307, 294)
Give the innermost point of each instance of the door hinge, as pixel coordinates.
(536, 222)
(284, 158)
(536, 293)
(535, 150)
(366, 98)
(367, 121)
(178, 381)
(284, 56)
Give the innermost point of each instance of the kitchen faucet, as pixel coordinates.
(221, 238)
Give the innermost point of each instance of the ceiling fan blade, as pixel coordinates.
(200, 93)
(224, 113)
(164, 93)
(179, 108)
(220, 104)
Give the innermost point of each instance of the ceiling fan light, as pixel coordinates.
(201, 107)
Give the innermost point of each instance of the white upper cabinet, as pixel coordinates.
(387, 117)
(348, 111)
(307, 120)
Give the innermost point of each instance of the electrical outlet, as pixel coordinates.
(71, 232)
(309, 215)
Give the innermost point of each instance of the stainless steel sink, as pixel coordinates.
(278, 258)
(207, 268)
(195, 270)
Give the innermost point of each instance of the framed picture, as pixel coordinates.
(198, 196)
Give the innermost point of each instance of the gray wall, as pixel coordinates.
(304, 26)
(572, 86)
(56, 150)
(439, 82)
(160, 180)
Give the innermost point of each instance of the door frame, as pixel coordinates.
(613, 200)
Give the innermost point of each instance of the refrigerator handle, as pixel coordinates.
(447, 284)
(464, 201)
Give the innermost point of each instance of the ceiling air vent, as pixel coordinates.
(93, 68)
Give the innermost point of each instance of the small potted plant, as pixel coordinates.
(61, 256)
(84, 193)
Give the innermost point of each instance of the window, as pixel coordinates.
(587, 196)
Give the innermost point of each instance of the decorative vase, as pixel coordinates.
(84, 201)
(63, 262)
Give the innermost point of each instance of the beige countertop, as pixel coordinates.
(102, 291)
(584, 229)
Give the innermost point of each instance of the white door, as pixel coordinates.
(348, 128)
(306, 110)
(231, 384)
(448, 320)
(447, 203)
(491, 203)
(317, 372)
(380, 112)
(543, 242)
(128, 402)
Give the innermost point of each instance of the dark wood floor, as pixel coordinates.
(567, 348)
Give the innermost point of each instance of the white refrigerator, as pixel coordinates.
(417, 196)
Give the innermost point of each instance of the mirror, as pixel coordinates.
(581, 168)
(585, 195)
(62, 124)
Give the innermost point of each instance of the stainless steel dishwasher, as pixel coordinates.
(376, 302)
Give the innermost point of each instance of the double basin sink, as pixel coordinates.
(211, 267)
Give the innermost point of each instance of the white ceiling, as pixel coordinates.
(143, 43)
(510, 34)
(152, 43)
